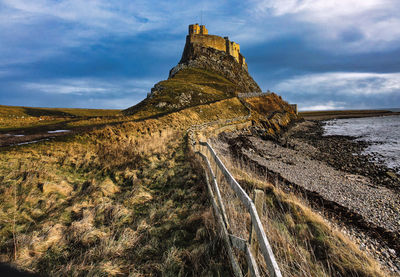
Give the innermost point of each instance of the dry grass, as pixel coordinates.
(18, 111)
(14, 117)
(189, 87)
(125, 199)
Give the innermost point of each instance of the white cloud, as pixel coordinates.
(330, 105)
(375, 24)
(319, 9)
(122, 17)
(91, 86)
(33, 30)
(343, 83)
(111, 103)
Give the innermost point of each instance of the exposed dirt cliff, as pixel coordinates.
(271, 115)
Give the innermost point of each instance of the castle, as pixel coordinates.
(198, 34)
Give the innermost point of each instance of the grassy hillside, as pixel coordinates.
(126, 199)
(129, 197)
(189, 87)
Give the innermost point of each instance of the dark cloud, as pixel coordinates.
(108, 56)
(351, 35)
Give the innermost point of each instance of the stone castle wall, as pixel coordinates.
(198, 34)
(212, 41)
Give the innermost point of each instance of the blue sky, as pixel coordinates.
(321, 54)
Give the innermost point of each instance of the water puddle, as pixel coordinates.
(58, 131)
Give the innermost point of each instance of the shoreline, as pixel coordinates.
(327, 115)
(356, 195)
(351, 152)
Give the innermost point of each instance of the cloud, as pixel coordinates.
(344, 83)
(370, 24)
(319, 9)
(118, 93)
(89, 87)
(33, 30)
(342, 90)
(330, 105)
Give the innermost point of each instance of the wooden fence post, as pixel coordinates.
(259, 203)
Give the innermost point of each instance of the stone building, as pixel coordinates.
(198, 34)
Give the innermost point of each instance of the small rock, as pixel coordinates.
(392, 252)
(385, 254)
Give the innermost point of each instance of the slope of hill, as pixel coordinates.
(189, 87)
(125, 199)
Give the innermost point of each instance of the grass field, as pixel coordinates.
(14, 117)
(124, 199)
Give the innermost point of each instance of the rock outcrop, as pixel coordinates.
(197, 56)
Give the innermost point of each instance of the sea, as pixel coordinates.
(383, 134)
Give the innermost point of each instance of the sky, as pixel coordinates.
(320, 54)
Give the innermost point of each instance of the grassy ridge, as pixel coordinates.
(271, 113)
(125, 199)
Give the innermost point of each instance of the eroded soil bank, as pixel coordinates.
(331, 173)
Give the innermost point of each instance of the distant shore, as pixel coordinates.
(326, 115)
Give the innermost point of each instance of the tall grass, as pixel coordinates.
(126, 199)
(303, 242)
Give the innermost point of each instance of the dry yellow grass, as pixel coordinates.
(303, 242)
(14, 117)
(118, 200)
(129, 199)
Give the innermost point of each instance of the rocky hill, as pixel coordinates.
(203, 75)
(196, 55)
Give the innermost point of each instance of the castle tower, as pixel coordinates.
(203, 30)
(194, 29)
